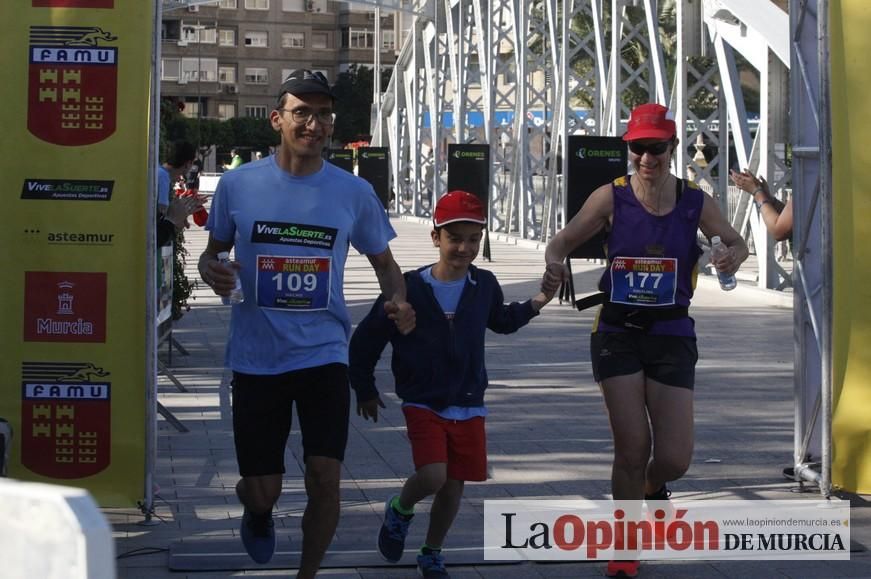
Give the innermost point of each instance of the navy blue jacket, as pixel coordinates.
(441, 362)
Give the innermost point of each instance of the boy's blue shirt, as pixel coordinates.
(441, 362)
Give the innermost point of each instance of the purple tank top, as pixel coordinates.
(653, 259)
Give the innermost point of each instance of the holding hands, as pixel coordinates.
(402, 315)
(555, 274)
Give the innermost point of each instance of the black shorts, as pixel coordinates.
(670, 360)
(263, 413)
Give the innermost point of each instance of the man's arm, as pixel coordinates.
(219, 277)
(392, 286)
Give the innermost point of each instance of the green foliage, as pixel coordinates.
(182, 287)
(248, 133)
(354, 91)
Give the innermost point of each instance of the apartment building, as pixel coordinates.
(228, 59)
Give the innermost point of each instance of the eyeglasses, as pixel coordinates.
(657, 148)
(304, 116)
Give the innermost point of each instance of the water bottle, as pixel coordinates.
(236, 296)
(727, 280)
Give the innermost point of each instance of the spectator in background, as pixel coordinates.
(776, 214)
(175, 219)
(192, 179)
(235, 160)
(179, 158)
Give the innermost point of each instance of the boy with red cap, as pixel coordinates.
(439, 373)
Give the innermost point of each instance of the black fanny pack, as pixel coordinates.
(638, 319)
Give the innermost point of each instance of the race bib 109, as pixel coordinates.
(293, 283)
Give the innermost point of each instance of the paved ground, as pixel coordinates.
(548, 435)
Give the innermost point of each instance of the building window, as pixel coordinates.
(256, 76)
(170, 30)
(227, 37)
(388, 40)
(293, 5)
(226, 111)
(194, 33)
(359, 38)
(320, 40)
(316, 5)
(256, 111)
(257, 39)
(191, 109)
(227, 4)
(199, 69)
(293, 40)
(226, 74)
(257, 4)
(169, 68)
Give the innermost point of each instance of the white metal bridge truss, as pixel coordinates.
(544, 60)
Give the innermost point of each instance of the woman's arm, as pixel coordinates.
(713, 223)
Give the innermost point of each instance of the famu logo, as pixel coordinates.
(474, 155)
(293, 234)
(67, 190)
(72, 84)
(612, 155)
(66, 418)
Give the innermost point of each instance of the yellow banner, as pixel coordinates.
(74, 170)
(850, 21)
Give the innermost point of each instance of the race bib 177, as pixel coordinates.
(644, 281)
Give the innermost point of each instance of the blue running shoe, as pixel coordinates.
(431, 564)
(391, 537)
(258, 536)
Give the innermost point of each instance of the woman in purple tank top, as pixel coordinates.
(643, 346)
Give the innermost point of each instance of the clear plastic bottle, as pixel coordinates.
(236, 296)
(727, 280)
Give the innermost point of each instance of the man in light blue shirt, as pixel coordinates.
(291, 218)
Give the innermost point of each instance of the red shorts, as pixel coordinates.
(461, 444)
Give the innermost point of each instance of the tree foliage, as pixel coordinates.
(354, 91)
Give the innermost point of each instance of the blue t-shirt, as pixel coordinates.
(291, 236)
(163, 186)
(448, 294)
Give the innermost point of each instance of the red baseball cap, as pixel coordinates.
(459, 206)
(650, 121)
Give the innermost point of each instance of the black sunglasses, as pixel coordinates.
(657, 148)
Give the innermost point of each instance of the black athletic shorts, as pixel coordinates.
(263, 413)
(670, 360)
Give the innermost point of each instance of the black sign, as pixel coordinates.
(280, 233)
(343, 158)
(593, 161)
(373, 165)
(469, 170)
